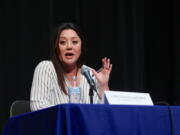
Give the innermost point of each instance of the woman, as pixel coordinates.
(53, 78)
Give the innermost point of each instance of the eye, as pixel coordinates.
(62, 42)
(75, 42)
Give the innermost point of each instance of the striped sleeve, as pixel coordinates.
(41, 86)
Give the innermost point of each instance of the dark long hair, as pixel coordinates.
(55, 52)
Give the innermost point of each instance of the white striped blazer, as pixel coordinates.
(45, 91)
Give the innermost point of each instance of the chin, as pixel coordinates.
(70, 63)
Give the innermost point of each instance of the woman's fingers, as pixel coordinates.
(106, 64)
(103, 62)
(110, 68)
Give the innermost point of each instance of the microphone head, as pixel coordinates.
(85, 72)
(84, 69)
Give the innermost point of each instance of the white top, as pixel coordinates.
(45, 90)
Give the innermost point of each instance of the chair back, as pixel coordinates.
(19, 107)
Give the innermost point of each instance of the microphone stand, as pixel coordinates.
(91, 94)
(91, 84)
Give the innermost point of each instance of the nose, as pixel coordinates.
(69, 45)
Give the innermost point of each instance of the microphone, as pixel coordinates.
(86, 73)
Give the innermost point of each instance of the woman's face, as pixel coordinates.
(69, 47)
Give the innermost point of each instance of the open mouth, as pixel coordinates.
(69, 54)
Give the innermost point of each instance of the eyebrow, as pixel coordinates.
(71, 37)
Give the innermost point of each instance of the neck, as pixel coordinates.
(70, 71)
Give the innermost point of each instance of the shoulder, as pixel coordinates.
(45, 65)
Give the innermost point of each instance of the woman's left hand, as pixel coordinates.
(103, 76)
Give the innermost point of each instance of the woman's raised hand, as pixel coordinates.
(103, 75)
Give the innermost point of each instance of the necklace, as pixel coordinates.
(72, 80)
